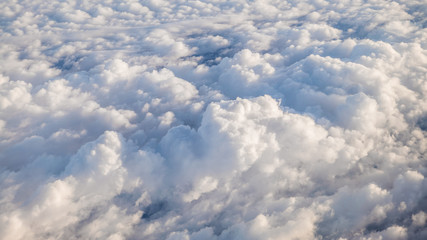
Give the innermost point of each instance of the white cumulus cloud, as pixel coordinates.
(213, 119)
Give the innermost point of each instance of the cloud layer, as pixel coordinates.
(213, 120)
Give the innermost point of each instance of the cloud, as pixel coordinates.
(213, 120)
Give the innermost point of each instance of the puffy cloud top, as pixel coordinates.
(213, 119)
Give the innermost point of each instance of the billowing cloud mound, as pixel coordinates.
(213, 119)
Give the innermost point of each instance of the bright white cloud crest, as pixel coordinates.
(213, 120)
